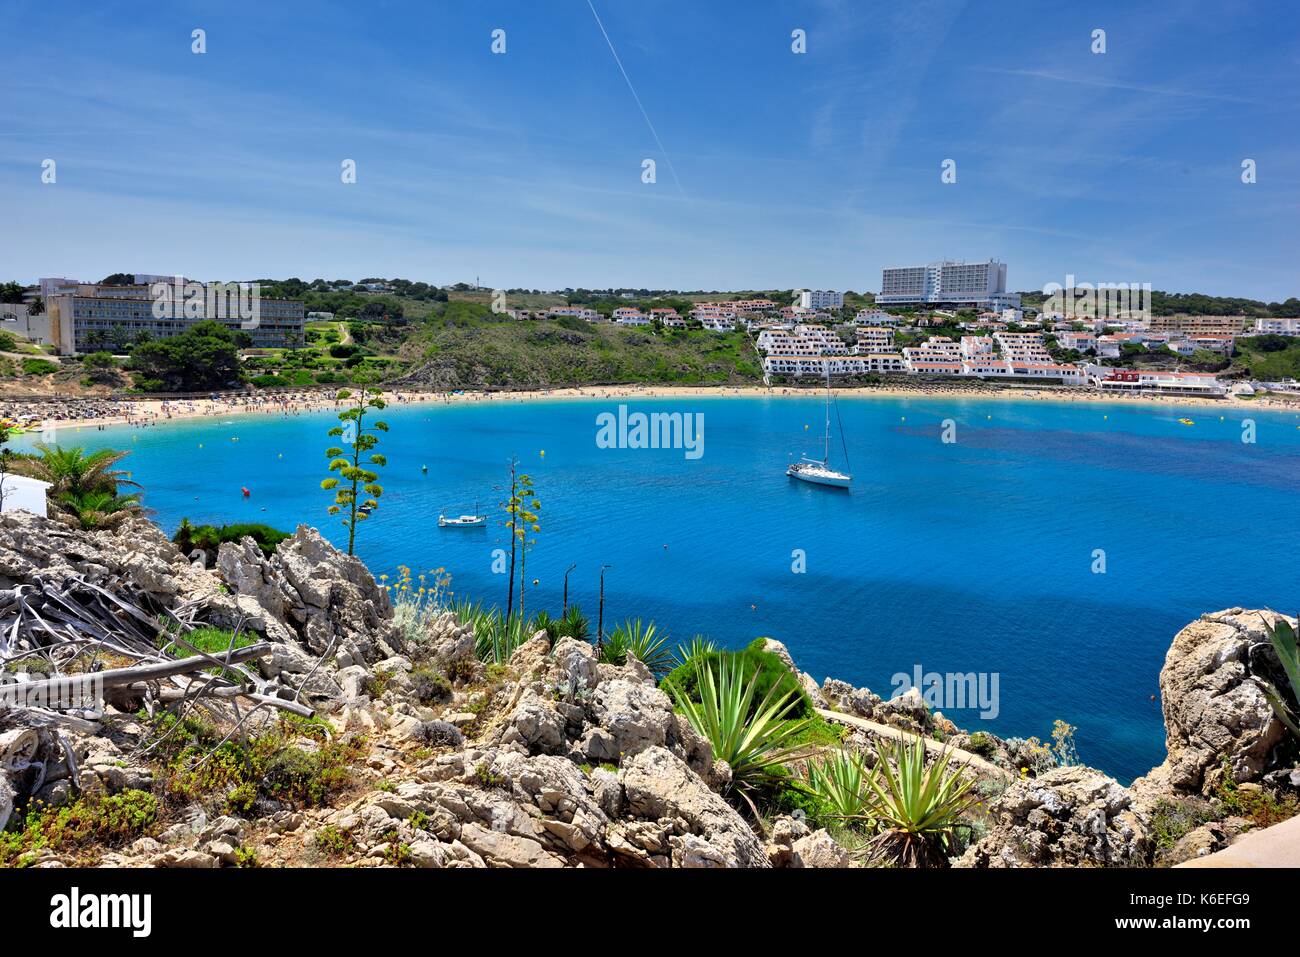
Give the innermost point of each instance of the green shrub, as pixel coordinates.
(113, 820)
(209, 538)
(269, 381)
(39, 367)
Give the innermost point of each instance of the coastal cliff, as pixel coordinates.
(421, 754)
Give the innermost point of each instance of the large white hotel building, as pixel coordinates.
(953, 284)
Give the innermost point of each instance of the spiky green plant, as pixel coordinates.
(842, 781)
(917, 807)
(100, 509)
(697, 646)
(573, 625)
(755, 739)
(1282, 635)
(641, 641)
(496, 637)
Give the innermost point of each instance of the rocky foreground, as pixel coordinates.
(424, 756)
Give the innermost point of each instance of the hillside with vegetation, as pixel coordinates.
(466, 346)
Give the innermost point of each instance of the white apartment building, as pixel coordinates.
(820, 299)
(1277, 327)
(630, 316)
(820, 366)
(874, 339)
(1023, 346)
(802, 340)
(874, 317)
(976, 346)
(590, 315)
(1079, 341)
(722, 323)
(981, 285)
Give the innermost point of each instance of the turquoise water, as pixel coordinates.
(975, 556)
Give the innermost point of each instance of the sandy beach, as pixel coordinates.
(102, 413)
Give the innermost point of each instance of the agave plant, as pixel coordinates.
(917, 807)
(842, 781)
(642, 642)
(572, 625)
(697, 646)
(754, 738)
(496, 638)
(1283, 637)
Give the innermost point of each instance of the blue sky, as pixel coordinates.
(776, 170)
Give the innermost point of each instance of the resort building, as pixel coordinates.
(976, 346)
(117, 317)
(1078, 341)
(1220, 345)
(1277, 327)
(820, 299)
(981, 285)
(875, 317)
(1155, 381)
(1023, 346)
(820, 366)
(18, 319)
(802, 340)
(1200, 325)
(874, 339)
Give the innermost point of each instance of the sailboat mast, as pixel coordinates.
(826, 443)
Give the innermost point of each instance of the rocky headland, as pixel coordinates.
(420, 754)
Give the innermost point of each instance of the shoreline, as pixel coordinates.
(145, 412)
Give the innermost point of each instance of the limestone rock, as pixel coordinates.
(1214, 709)
(1069, 817)
(659, 785)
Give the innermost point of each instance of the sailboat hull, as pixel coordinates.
(827, 477)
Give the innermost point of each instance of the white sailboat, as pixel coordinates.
(818, 471)
(474, 519)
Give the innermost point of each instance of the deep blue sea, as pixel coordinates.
(974, 556)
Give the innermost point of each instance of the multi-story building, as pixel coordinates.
(630, 316)
(1201, 325)
(874, 317)
(873, 339)
(955, 284)
(820, 299)
(116, 317)
(1277, 327)
(1111, 379)
(1079, 341)
(807, 339)
(1023, 346)
(578, 312)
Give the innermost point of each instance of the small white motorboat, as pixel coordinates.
(462, 521)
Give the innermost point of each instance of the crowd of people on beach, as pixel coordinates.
(99, 413)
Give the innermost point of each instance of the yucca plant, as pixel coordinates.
(642, 642)
(754, 738)
(842, 781)
(1282, 635)
(917, 807)
(697, 646)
